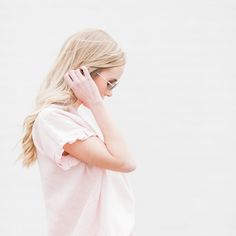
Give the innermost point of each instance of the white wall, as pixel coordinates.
(175, 105)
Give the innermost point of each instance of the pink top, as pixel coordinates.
(80, 199)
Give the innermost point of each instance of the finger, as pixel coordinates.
(74, 76)
(68, 80)
(78, 72)
(86, 72)
(67, 74)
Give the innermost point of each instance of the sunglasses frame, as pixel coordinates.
(112, 85)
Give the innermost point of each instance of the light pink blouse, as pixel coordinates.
(80, 199)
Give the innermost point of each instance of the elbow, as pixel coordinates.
(129, 167)
(132, 168)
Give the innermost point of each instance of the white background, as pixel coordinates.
(175, 105)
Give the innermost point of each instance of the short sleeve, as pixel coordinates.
(52, 129)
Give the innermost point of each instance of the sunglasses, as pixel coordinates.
(110, 85)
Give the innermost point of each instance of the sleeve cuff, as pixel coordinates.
(66, 162)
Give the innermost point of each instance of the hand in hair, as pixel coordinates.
(83, 86)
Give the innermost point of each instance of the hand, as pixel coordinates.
(83, 86)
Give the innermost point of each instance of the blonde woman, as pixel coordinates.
(82, 156)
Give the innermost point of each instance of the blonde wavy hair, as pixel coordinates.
(95, 49)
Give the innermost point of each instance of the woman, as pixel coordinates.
(82, 156)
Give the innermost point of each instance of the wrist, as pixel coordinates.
(96, 105)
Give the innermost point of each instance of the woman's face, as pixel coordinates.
(110, 74)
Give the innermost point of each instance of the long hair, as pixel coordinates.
(91, 47)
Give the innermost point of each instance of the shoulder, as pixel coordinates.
(54, 111)
(55, 116)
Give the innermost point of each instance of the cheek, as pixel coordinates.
(101, 86)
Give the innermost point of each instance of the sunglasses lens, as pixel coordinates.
(113, 86)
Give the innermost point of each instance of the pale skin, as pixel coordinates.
(113, 153)
(111, 74)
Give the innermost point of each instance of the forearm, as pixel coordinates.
(113, 139)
